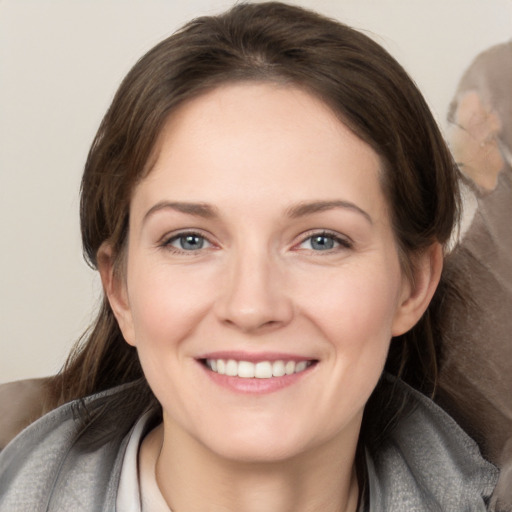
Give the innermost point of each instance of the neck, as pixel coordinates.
(193, 479)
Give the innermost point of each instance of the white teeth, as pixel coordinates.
(246, 369)
(221, 366)
(260, 370)
(232, 368)
(278, 369)
(263, 370)
(300, 366)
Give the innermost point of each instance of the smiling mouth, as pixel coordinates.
(259, 370)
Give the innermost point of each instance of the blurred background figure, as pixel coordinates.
(476, 374)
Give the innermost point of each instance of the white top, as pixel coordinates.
(138, 490)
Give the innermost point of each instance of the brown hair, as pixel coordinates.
(357, 78)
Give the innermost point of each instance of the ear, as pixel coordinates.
(416, 295)
(114, 286)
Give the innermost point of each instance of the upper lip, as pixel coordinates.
(255, 357)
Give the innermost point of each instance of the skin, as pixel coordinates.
(256, 154)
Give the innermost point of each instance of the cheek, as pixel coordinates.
(355, 307)
(355, 317)
(352, 319)
(166, 308)
(355, 314)
(165, 304)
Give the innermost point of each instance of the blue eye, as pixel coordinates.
(324, 242)
(188, 242)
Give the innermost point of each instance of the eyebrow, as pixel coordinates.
(302, 209)
(307, 208)
(198, 209)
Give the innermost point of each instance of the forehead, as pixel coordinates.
(248, 138)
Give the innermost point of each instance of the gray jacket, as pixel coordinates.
(425, 464)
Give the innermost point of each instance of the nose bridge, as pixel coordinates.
(253, 294)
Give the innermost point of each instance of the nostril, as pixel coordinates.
(252, 324)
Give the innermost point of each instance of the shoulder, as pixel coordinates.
(69, 459)
(427, 462)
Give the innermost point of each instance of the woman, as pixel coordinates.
(267, 201)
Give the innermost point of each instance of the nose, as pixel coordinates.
(254, 296)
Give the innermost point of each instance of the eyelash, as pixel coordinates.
(167, 242)
(342, 242)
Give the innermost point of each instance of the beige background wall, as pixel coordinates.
(60, 63)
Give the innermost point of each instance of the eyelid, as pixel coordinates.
(344, 241)
(166, 240)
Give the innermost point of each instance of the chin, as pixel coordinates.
(272, 442)
(258, 451)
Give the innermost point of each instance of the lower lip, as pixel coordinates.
(256, 386)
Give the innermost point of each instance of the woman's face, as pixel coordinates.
(262, 282)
